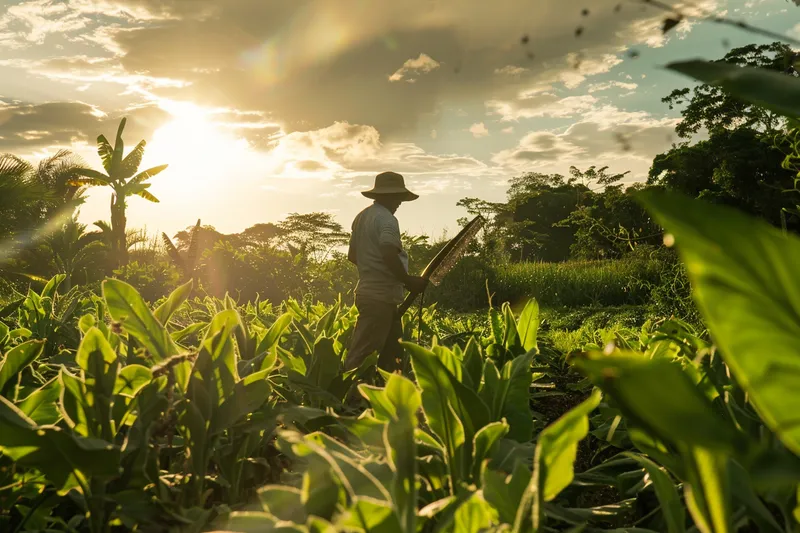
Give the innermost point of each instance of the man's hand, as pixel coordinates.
(416, 284)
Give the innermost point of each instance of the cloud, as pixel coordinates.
(606, 134)
(597, 87)
(278, 57)
(541, 104)
(423, 64)
(28, 127)
(478, 130)
(343, 150)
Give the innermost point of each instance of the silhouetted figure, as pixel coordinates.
(376, 249)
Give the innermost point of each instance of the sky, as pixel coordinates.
(263, 108)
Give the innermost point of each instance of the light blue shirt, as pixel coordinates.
(373, 227)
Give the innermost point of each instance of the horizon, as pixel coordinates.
(299, 112)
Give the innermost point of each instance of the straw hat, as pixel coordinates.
(390, 183)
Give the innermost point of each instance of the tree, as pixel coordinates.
(709, 107)
(736, 167)
(312, 236)
(123, 178)
(74, 252)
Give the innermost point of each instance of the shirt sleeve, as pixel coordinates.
(390, 232)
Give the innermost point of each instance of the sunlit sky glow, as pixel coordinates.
(266, 107)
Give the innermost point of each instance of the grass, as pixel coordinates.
(568, 284)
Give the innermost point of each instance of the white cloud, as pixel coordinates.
(422, 64)
(478, 130)
(596, 87)
(605, 134)
(511, 70)
(543, 104)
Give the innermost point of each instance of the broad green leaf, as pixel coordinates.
(248, 522)
(165, 311)
(125, 305)
(510, 334)
(555, 455)
(41, 405)
(50, 289)
(742, 491)
(94, 341)
(405, 399)
(320, 493)
(284, 502)
(474, 515)
(558, 445)
(671, 505)
(505, 492)
(17, 359)
(325, 364)
(67, 461)
(131, 379)
(512, 397)
(657, 395)
(776, 91)
(744, 274)
(528, 325)
(371, 516)
(484, 444)
(437, 394)
(274, 333)
(707, 491)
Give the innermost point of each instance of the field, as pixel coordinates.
(200, 414)
(196, 383)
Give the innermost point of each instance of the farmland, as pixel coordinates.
(605, 357)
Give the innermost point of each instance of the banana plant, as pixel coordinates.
(123, 177)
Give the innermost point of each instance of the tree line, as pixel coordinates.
(730, 152)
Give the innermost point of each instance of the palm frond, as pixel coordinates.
(147, 174)
(105, 151)
(194, 245)
(173, 253)
(90, 177)
(147, 196)
(131, 163)
(13, 166)
(119, 147)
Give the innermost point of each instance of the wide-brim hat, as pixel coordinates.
(390, 183)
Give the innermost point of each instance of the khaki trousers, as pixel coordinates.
(378, 329)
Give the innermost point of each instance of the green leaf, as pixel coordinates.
(555, 455)
(707, 491)
(94, 341)
(371, 516)
(283, 502)
(41, 405)
(105, 151)
(558, 447)
(165, 311)
(17, 359)
(528, 325)
(510, 336)
(270, 340)
(512, 397)
(437, 395)
(125, 305)
(742, 491)
(131, 379)
(772, 90)
(147, 174)
(485, 442)
(744, 274)
(474, 515)
(69, 462)
(119, 148)
(405, 400)
(248, 522)
(657, 395)
(667, 492)
(505, 492)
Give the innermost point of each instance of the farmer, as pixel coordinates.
(376, 250)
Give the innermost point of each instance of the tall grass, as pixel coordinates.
(568, 284)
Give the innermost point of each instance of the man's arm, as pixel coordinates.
(391, 257)
(351, 254)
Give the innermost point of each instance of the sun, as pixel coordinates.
(198, 150)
